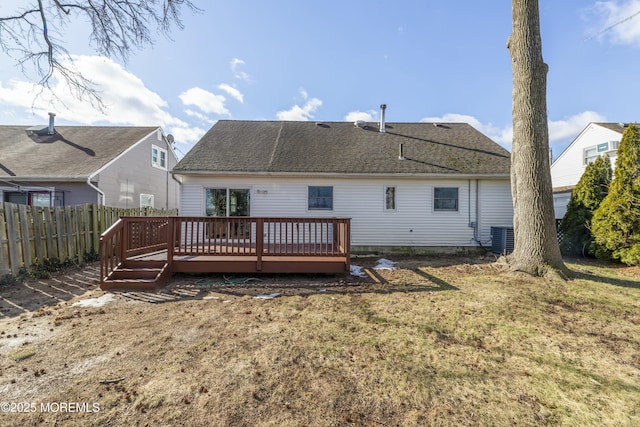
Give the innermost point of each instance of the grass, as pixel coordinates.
(437, 343)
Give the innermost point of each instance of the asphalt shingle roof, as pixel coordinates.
(340, 147)
(616, 127)
(73, 151)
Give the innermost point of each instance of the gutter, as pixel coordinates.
(90, 184)
(202, 173)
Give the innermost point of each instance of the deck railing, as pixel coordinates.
(261, 236)
(131, 236)
(223, 236)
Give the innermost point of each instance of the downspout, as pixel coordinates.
(100, 192)
(477, 237)
(474, 224)
(179, 199)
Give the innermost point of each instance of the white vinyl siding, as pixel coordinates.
(496, 207)
(414, 223)
(567, 169)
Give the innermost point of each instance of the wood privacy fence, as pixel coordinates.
(29, 235)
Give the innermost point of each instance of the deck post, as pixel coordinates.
(259, 242)
(125, 239)
(171, 241)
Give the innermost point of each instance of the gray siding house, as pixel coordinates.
(405, 186)
(126, 167)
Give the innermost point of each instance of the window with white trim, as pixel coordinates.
(227, 202)
(445, 199)
(320, 198)
(158, 157)
(590, 154)
(390, 198)
(146, 200)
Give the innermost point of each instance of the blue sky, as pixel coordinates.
(339, 60)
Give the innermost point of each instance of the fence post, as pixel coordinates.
(36, 214)
(25, 231)
(15, 252)
(95, 216)
(5, 265)
(49, 230)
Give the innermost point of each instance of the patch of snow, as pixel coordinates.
(356, 270)
(95, 302)
(269, 296)
(385, 264)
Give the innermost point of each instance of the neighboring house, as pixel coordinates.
(125, 167)
(404, 185)
(596, 139)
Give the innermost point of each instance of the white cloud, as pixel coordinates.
(235, 93)
(199, 116)
(559, 130)
(204, 100)
(188, 135)
(126, 98)
(367, 116)
(238, 74)
(502, 136)
(618, 21)
(572, 126)
(304, 113)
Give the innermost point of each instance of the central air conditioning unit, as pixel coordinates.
(502, 240)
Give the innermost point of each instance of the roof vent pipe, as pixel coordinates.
(401, 152)
(383, 107)
(51, 129)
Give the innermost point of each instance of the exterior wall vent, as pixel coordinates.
(502, 240)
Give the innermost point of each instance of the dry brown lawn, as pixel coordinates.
(438, 341)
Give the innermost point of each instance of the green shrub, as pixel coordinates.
(616, 222)
(585, 199)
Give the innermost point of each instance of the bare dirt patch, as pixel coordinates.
(436, 341)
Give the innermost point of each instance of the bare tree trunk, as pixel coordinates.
(536, 249)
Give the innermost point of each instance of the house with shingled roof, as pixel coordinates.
(125, 167)
(405, 186)
(595, 140)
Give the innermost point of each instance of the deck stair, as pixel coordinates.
(137, 275)
(141, 253)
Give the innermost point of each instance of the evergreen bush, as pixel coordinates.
(575, 227)
(616, 222)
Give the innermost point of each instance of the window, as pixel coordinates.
(445, 199)
(158, 157)
(320, 198)
(227, 202)
(32, 198)
(590, 155)
(390, 198)
(146, 200)
(593, 152)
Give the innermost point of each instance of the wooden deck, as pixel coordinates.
(220, 245)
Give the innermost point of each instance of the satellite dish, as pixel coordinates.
(170, 139)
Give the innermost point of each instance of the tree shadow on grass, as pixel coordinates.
(197, 287)
(34, 294)
(624, 283)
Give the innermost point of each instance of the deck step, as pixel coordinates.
(137, 276)
(135, 273)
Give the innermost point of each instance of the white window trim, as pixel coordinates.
(150, 197)
(333, 199)
(395, 198)
(446, 211)
(157, 163)
(612, 147)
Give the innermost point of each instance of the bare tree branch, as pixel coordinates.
(34, 35)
